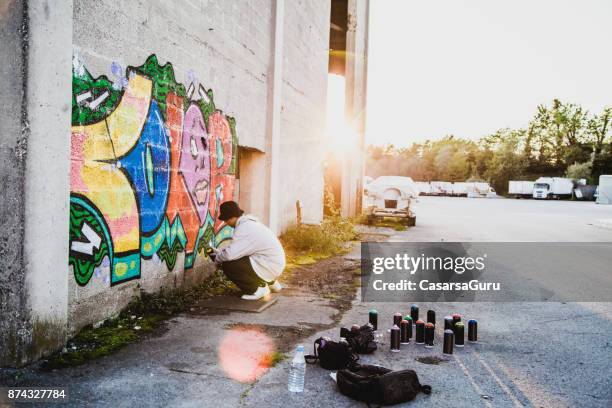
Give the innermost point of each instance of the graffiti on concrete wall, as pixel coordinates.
(151, 160)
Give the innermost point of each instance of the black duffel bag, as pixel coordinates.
(379, 385)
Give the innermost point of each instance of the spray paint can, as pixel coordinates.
(419, 335)
(429, 335)
(395, 339)
(373, 319)
(456, 318)
(410, 325)
(431, 317)
(472, 331)
(414, 312)
(405, 331)
(397, 318)
(449, 340)
(459, 334)
(448, 323)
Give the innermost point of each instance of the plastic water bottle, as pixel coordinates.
(297, 371)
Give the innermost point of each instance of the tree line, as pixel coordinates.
(562, 139)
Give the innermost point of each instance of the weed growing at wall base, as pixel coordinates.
(319, 241)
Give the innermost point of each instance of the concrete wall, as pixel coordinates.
(303, 109)
(227, 49)
(13, 151)
(119, 133)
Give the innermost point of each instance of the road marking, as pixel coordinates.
(472, 381)
(503, 386)
(93, 241)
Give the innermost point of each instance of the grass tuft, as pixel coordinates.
(318, 241)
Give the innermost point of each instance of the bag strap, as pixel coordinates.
(310, 358)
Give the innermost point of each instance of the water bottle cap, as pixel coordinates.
(300, 347)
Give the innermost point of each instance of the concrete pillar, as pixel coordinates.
(356, 87)
(273, 140)
(36, 83)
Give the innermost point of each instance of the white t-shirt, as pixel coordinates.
(253, 239)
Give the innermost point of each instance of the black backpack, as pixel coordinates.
(360, 340)
(375, 384)
(332, 355)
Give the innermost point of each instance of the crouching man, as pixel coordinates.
(254, 259)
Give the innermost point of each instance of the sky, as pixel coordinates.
(470, 67)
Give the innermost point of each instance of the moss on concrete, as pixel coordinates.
(46, 335)
(142, 317)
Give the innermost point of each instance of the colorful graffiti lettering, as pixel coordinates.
(150, 165)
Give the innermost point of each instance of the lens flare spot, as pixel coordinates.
(245, 354)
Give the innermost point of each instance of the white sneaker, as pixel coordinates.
(259, 293)
(276, 286)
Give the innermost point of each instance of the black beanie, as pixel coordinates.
(228, 210)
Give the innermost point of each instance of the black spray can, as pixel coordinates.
(419, 336)
(456, 318)
(472, 331)
(373, 319)
(431, 317)
(429, 335)
(414, 312)
(410, 325)
(449, 339)
(395, 338)
(397, 318)
(459, 334)
(448, 323)
(405, 331)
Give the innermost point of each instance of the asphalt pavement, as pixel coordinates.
(534, 354)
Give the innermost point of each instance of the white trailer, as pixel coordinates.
(459, 189)
(604, 191)
(520, 189)
(424, 187)
(553, 187)
(441, 188)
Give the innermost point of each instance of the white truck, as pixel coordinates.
(391, 196)
(520, 188)
(553, 187)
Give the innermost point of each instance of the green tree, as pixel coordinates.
(579, 171)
